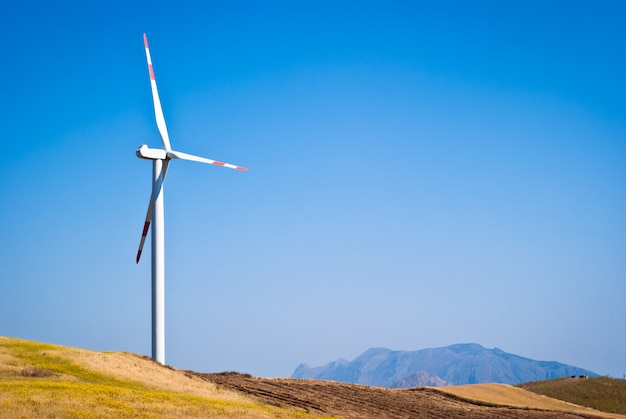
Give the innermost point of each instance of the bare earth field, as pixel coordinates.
(355, 401)
(43, 380)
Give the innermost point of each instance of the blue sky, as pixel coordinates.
(421, 174)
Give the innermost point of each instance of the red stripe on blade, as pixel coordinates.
(145, 40)
(138, 256)
(151, 72)
(218, 163)
(241, 168)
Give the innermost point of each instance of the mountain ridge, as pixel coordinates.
(462, 363)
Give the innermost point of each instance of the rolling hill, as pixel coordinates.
(602, 393)
(44, 380)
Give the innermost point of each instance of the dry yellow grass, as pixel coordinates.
(42, 380)
(127, 366)
(506, 395)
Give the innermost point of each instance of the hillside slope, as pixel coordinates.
(601, 393)
(516, 396)
(43, 380)
(38, 379)
(354, 401)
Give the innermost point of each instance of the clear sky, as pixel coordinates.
(421, 174)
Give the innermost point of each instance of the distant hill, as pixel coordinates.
(601, 393)
(457, 364)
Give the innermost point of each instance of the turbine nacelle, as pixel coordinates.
(145, 152)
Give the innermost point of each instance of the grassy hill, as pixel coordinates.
(43, 380)
(600, 393)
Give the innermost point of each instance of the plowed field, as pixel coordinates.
(355, 401)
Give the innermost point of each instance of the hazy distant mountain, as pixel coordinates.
(420, 379)
(457, 364)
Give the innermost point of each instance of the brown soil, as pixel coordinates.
(356, 401)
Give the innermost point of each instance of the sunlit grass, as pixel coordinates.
(73, 399)
(51, 385)
(42, 356)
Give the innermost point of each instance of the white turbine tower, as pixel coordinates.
(160, 162)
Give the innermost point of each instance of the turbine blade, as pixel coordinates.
(146, 225)
(184, 156)
(155, 190)
(158, 111)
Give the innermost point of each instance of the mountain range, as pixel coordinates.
(467, 363)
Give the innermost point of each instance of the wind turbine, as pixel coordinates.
(160, 162)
